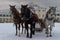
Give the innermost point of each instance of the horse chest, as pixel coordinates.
(48, 22)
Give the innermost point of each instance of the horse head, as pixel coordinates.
(23, 8)
(25, 11)
(51, 13)
(12, 9)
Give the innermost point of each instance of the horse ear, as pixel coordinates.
(21, 5)
(10, 5)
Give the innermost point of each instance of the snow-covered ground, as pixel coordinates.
(7, 32)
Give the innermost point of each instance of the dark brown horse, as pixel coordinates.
(16, 18)
(30, 18)
(26, 13)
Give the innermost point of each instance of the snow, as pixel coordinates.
(7, 32)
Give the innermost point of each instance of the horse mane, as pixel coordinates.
(49, 11)
(35, 17)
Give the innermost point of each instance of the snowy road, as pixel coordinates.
(7, 32)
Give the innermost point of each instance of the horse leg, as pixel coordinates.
(31, 32)
(26, 26)
(16, 29)
(22, 28)
(47, 31)
(19, 29)
(50, 31)
(33, 29)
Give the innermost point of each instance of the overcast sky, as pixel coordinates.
(4, 4)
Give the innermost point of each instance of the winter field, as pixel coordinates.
(7, 32)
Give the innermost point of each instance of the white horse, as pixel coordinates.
(50, 17)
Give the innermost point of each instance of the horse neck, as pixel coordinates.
(16, 13)
(36, 16)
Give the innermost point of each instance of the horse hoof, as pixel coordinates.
(33, 33)
(31, 37)
(27, 36)
(50, 35)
